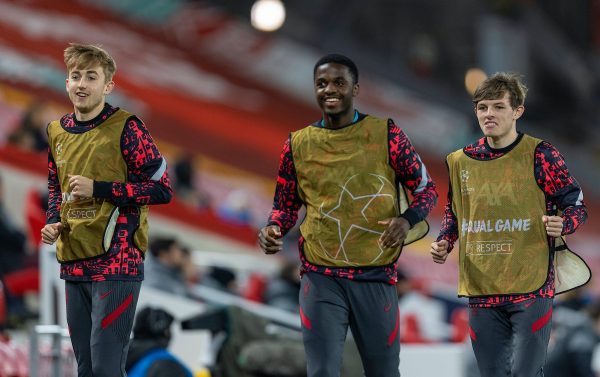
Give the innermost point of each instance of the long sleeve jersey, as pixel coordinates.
(410, 171)
(561, 190)
(147, 183)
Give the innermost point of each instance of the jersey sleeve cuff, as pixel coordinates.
(102, 189)
(411, 216)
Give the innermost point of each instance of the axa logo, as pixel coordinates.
(497, 194)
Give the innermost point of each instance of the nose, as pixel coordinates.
(80, 83)
(330, 88)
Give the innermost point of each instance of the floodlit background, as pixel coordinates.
(220, 84)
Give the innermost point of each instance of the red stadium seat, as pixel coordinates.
(255, 288)
(21, 281)
(35, 216)
(410, 331)
(459, 321)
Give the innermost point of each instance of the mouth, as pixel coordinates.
(331, 101)
(81, 94)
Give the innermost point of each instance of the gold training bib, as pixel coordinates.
(499, 207)
(89, 223)
(347, 184)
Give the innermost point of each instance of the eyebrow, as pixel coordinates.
(332, 79)
(494, 102)
(88, 71)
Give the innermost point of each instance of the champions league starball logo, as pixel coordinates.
(354, 214)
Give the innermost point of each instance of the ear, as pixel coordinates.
(108, 88)
(67, 85)
(355, 89)
(518, 112)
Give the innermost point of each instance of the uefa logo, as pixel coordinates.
(59, 149)
(464, 176)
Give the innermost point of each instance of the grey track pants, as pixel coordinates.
(512, 340)
(329, 305)
(100, 318)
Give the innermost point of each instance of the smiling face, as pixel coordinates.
(498, 120)
(335, 91)
(87, 89)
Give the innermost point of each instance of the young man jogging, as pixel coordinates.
(103, 171)
(511, 195)
(346, 169)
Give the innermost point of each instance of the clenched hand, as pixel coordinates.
(439, 251)
(269, 239)
(50, 232)
(81, 187)
(554, 225)
(395, 233)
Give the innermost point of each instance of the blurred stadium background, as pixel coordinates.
(220, 97)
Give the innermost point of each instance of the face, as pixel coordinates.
(87, 89)
(497, 119)
(177, 256)
(335, 89)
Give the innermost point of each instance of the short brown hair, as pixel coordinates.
(84, 56)
(499, 83)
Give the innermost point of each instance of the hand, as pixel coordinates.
(554, 225)
(269, 239)
(439, 251)
(50, 232)
(81, 187)
(395, 233)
